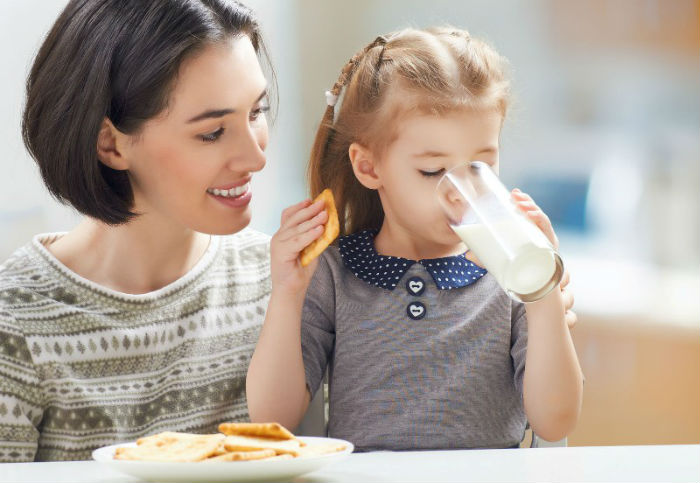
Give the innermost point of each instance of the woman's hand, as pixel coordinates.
(527, 205)
(301, 224)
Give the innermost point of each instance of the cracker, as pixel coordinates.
(321, 449)
(164, 437)
(264, 430)
(330, 230)
(242, 456)
(172, 447)
(250, 443)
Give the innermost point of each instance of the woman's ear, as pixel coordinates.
(109, 142)
(363, 165)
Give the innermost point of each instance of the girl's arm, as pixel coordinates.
(553, 382)
(276, 382)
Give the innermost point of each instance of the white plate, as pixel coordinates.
(222, 472)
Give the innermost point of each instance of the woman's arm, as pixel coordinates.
(553, 382)
(276, 382)
(20, 395)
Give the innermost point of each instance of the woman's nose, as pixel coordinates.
(250, 151)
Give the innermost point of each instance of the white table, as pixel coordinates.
(576, 464)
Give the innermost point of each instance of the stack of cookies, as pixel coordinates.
(234, 442)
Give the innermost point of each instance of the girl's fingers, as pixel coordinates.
(290, 210)
(565, 279)
(539, 218)
(570, 319)
(516, 193)
(302, 214)
(568, 299)
(542, 222)
(527, 205)
(293, 246)
(305, 226)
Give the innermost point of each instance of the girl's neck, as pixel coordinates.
(397, 241)
(141, 256)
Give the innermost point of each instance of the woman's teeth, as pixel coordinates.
(232, 193)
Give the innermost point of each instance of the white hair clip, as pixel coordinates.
(331, 98)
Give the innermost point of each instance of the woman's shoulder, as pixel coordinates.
(247, 247)
(17, 273)
(20, 266)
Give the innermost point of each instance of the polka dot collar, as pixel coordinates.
(361, 258)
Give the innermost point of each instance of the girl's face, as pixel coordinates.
(192, 165)
(426, 147)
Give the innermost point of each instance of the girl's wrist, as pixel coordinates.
(287, 296)
(551, 306)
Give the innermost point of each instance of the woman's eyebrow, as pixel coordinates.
(216, 113)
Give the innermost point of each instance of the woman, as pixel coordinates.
(149, 119)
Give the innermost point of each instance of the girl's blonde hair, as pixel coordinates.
(411, 71)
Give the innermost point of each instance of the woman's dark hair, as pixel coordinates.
(116, 59)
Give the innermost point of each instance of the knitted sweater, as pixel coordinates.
(83, 366)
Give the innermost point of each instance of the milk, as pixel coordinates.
(481, 211)
(517, 253)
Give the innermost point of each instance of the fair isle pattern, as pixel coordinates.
(82, 366)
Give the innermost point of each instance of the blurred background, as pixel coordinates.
(604, 133)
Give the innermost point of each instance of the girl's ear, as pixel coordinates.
(109, 142)
(363, 165)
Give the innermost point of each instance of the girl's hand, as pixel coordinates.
(536, 215)
(568, 296)
(526, 204)
(301, 224)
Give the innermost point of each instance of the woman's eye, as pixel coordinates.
(212, 136)
(432, 173)
(256, 113)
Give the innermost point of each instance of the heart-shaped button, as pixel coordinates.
(416, 310)
(415, 286)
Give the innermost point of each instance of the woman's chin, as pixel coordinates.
(222, 226)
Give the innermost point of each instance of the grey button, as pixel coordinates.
(416, 310)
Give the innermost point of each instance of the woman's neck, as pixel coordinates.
(397, 241)
(138, 257)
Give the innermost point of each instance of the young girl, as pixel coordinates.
(416, 359)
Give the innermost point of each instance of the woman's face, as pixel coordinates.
(192, 164)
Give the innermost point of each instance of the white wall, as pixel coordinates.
(25, 206)
(626, 115)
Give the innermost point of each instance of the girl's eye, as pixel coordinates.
(432, 173)
(256, 113)
(212, 136)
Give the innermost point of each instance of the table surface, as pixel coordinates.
(668, 463)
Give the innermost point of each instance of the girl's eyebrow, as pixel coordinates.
(216, 113)
(430, 153)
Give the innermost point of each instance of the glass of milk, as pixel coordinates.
(510, 246)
